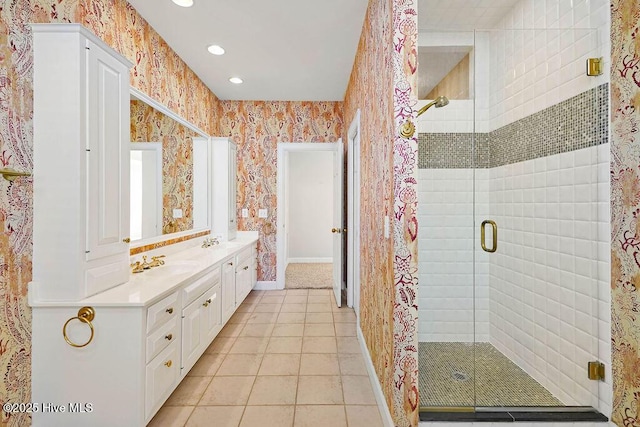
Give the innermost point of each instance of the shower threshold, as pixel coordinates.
(512, 414)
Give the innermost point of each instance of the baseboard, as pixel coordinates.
(387, 420)
(328, 260)
(267, 286)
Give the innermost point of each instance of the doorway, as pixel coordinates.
(309, 216)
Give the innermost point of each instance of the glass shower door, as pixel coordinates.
(446, 220)
(539, 133)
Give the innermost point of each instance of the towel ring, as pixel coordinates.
(85, 315)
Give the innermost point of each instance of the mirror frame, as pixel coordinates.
(135, 93)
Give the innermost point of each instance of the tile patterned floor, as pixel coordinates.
(448, 378)
(286, 358)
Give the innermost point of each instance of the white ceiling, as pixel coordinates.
(283, 49)
(461, 14)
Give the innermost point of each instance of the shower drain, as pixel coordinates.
(459, 376)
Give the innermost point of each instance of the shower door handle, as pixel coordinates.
(495, 236)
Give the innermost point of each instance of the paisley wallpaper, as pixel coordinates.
(158, 72)
(625, 210)
(150, 125)
(405, 225)
(388, 311)
(370, 90)
(383, 87)
(257, 127)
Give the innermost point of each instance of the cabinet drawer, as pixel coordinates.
(162, 376)
(161, 338)
(162, 311)
(194, 290)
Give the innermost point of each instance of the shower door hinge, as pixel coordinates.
(595, 371)
(594, 67)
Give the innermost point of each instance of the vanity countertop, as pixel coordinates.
(152, 285)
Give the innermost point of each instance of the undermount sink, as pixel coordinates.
(174, 267)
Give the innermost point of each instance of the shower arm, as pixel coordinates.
(426, 107)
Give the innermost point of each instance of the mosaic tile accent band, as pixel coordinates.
(452, 150)
(579, 122)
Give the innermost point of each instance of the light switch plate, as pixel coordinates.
(262, 213)
(177, 213)
(386, 226)
(245, 213)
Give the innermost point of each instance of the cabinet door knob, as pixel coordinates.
(170, 310)
(230, 263)
(207, 302)
(246, 267)
(169, 337)
(168, 363)
(127, 240)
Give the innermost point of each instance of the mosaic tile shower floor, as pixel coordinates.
(447, 378)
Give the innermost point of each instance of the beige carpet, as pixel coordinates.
(309, 276)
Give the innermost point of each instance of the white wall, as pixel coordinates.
(549, 279)
(448, 238)
(310, 206)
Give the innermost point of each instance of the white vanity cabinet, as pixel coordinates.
(224, 161)
(148, 334)
(81, 164)
(228, 288)
(239, 277)
(162, 371)
(245, 272)
(201, 318)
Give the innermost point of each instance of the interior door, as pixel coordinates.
(338, 180)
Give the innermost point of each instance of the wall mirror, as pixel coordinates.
(169, 173)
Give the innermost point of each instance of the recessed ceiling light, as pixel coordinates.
(183, 3)
(215, 49)
(236, 80)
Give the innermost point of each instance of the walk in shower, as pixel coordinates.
(522, 151)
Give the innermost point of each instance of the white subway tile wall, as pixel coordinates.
(543, 298)
(446, 295)
(540, 57)
(549, 280)
(535, 58)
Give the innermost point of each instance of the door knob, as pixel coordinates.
(336, 230)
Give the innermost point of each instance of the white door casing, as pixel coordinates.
(281, 218)
(353, 215)
(338, 183)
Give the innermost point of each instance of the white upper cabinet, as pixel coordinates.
(108, 137)
(81, 164)
(224, 175)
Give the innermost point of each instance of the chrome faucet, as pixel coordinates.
(210, 241)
